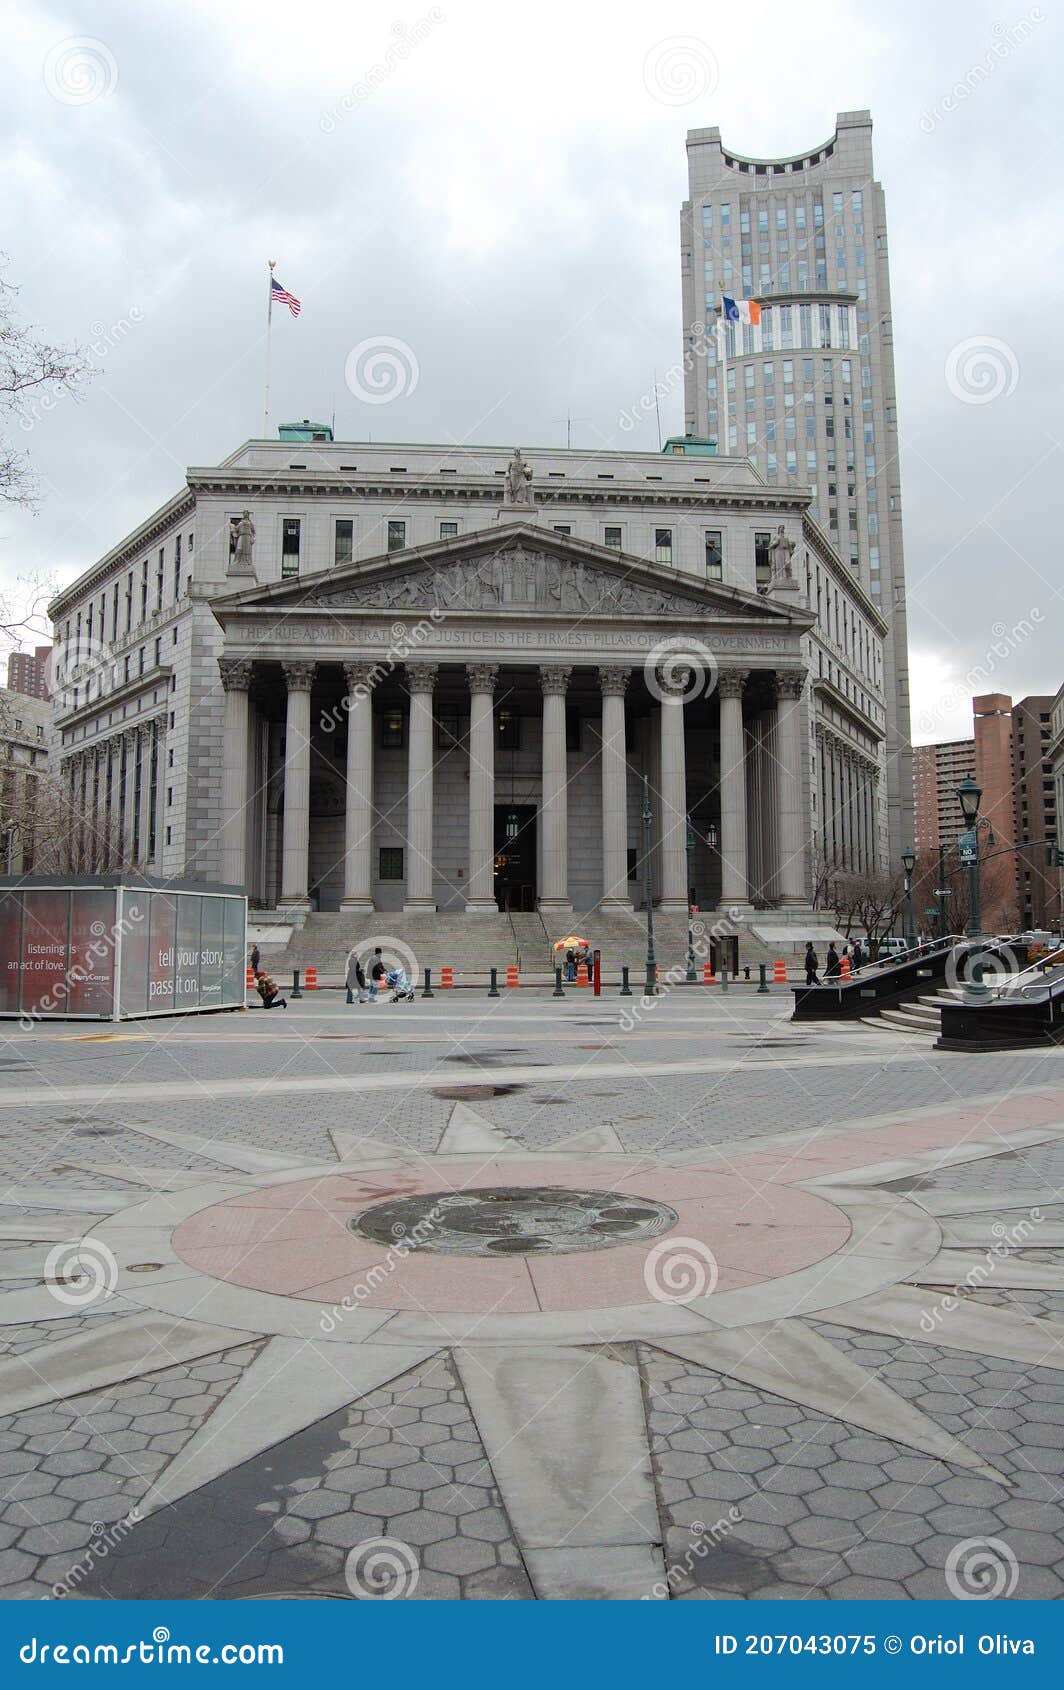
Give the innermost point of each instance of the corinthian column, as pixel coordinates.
(358, 812)
(614, 755)
(420, 685)
(233, 834)
(734, 886)
(673, 685)
(295, 845)
(554, 830)
(790, 755)
(480, 892)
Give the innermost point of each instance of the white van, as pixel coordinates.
(890, 947)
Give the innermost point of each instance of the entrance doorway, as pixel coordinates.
(515, 859)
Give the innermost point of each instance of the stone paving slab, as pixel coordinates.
(825, 1440)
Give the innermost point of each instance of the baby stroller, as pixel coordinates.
(399, 985)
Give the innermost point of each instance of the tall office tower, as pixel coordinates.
(27, 671)
(808, 392)
(938, 771)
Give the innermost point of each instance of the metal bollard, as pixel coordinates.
(493, 989)
(426, 990)
(762, 977)
(558, 993)
(626, 990)
(724, 978)
(295, 992)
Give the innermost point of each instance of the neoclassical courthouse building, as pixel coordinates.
(353, 676)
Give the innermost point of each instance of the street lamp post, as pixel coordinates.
(969, 796)
(908, 863)
(691, 976)
(650, 986)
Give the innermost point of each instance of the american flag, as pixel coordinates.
(281, 296)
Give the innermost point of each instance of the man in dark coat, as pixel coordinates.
(811, 964)
(832, 963)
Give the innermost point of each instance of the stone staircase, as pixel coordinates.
(923, 1016)
(471, 945)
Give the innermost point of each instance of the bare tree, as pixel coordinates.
(32, 371)
(44, 830)
(867, 904)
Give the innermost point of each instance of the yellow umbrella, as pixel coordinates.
(571, 939)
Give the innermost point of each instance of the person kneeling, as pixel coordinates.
(267, 990)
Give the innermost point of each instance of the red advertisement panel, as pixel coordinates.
(92, 952)
(162, 951)
(45, 949)
(10, 951)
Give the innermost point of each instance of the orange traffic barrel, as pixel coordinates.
(845, 967)
(250, 982)
(446, 977)
(581, 973)
(779, 971)
(708, 976)
(310, 979)
(511, 975)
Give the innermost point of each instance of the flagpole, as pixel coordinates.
(269, 324)
(722, 346)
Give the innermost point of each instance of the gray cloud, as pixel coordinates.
(501, 191)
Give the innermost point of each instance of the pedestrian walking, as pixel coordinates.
(267, 990)
(857, 958)
(356, 979)
(832, 964)
(812, 978)
(377, 974)
(255, 959)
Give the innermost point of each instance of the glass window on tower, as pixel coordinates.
(707, 217)
(748, 376)
(396, 535)
(714, 555)
(290, 545)
(836, 204)
(762, 558)
(344, 540)
(799, 216)
(781, 217)
(857, 201)
(762, 218)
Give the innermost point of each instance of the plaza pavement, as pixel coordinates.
(818, 1355)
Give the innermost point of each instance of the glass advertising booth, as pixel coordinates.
(109, 947)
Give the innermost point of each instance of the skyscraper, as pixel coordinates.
(808, 392)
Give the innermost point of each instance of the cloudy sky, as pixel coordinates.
(498, 189)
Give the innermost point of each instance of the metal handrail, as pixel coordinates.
(931, 948)
(1055, 958)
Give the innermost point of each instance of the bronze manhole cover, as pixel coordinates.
(513, 1220)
